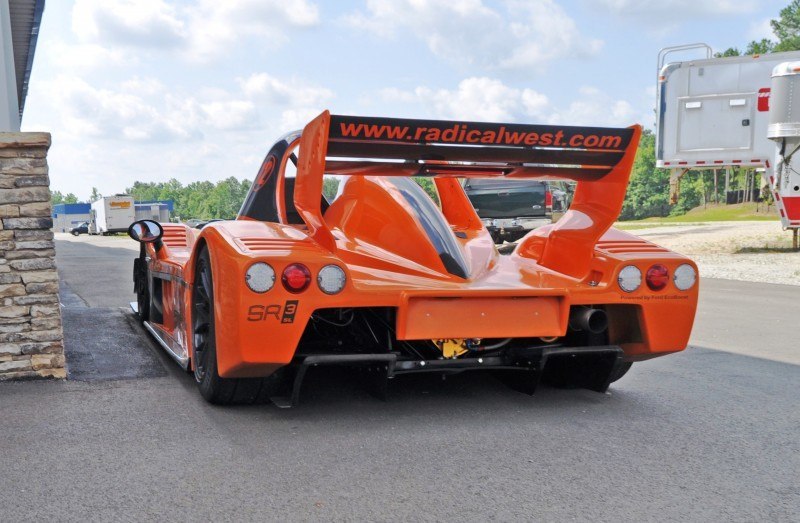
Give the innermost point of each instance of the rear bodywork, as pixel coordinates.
(426, 288)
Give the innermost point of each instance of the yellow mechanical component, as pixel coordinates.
(451, 348)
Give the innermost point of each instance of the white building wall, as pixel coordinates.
(9, 108)
(64, 222)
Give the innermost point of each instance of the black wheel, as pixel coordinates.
(216, 390)
(142, 288)
(620, 371)
(76, 233)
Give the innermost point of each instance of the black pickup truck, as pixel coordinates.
(511, 208)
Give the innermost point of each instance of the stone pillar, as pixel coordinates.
(31, 340)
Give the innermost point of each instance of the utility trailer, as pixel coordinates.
(715, 112)
(112, 214)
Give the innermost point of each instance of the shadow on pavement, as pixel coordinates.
(101, 339)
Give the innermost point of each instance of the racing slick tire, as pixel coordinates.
(213, 388)
(141, 286)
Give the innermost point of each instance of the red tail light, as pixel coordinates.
(657, 277)
(548, 198)
(296, 277)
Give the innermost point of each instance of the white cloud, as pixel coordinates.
(659, 18)
(273, 90)
(760, 29)
(108, 134)
(216, 25)
(201, 30)
(487, 99)
(482, 99)
(542, 29)
(124, 114)
(145, 110)
(230, 114)
(83, 56)
(594, 107)
(144, 23)
(527, 34)
(298, 102)
(657, 11)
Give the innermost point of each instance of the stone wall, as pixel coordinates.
(31, 340)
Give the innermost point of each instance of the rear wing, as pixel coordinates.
(599, 158)
(441, 148)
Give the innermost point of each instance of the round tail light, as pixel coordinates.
(684, 277)
(657, 277)
(630, 278)
(331, 279)
(260, 277)
(296, 277)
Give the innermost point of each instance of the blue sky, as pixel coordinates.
(198, 89)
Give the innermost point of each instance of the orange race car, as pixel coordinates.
(386, 279)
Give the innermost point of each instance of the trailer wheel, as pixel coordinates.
(216, 390)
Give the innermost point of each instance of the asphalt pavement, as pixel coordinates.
(707, 434)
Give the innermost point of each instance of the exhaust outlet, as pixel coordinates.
(587, 319)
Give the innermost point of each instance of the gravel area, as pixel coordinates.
(746, 251)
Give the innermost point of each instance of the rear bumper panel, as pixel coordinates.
(481, 317)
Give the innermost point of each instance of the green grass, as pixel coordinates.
(711, 213)
(766, 248)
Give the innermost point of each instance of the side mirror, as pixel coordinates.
(145, 231)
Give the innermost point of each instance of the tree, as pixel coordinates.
(787, 28)
(731, 51)
(648, 191)
(429, 186)
(57, 197)
(330, 186)
(763, 46)
(95, 195)
(692, 193)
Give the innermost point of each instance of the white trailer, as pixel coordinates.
(715, 112)
(152, 211)
(112, 214)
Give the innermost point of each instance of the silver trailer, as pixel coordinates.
(158, 212)
(784, 131)
(715, 112)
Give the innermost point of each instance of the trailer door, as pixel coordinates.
(715, 122)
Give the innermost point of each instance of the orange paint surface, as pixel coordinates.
(371, 232)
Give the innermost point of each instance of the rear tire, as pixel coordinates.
(141, 272)
(213, 388)
(76, 233)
